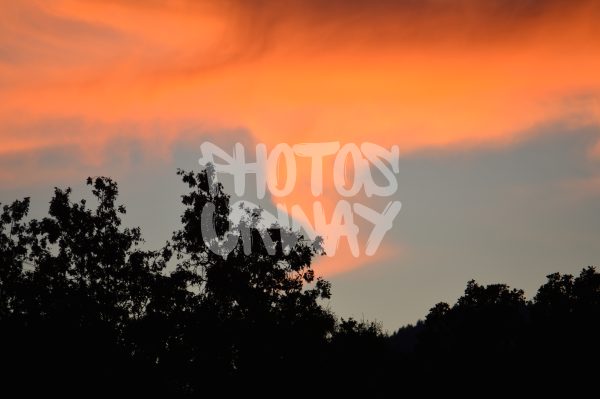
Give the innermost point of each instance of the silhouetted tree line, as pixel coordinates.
(85, 308)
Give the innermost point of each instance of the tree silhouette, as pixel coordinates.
(264, 320)
(493, 335)
(83, 305)
(86, 307)
(75, 282)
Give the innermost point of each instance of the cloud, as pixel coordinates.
(412, 22)
(416, 73)
(98, 78)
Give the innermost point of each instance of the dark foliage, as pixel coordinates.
(494, 336)
(85, 309)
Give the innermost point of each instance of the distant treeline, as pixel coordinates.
(86, 309)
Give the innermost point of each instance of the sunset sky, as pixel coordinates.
(495, 106)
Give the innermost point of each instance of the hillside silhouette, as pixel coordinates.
(86, 308)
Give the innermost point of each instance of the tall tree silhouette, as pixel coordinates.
(263, 319)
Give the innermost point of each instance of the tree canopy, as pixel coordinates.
(85, 306)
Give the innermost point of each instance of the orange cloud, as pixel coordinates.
(411, 74)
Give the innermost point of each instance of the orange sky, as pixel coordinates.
(411, 73)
